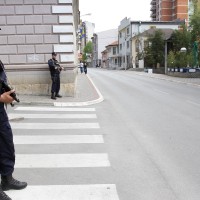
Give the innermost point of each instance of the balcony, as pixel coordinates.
(153, 8)
(153, 2)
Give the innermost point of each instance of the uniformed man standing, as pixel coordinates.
(55, 70)
(7, 151)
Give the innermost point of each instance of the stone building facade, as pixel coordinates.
(30, 31)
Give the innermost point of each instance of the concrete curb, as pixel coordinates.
(70, 103)
(86, 103)
(176, 81)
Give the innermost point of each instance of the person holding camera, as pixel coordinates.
(7, 150)
(55, 70)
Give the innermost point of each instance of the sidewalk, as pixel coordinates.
(86, 94)
(187, 81)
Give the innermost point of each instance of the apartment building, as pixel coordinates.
(30, 31)
(95, 61)
(128, 30)
(170, 10)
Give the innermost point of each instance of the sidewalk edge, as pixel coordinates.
(176, 81)
(86, 103)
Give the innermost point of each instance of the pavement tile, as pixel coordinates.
(85, 92)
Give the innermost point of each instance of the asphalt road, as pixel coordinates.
(152, 132)
(150, 148)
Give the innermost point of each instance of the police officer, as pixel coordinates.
(55, 70)
(7, 151)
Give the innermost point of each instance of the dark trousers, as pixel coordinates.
(7, 150)
(55, 83)
(85, 70)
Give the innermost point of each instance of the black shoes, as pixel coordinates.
(3, 195)
(53, 96)
(8, 182)
(59, 96)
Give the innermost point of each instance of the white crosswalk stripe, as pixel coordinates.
(55, 126)
(67, 192)
(73, 120)
(61, 139)
(55, 109)
(61, 160)
(54, 116)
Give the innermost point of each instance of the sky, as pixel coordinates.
(107, 14)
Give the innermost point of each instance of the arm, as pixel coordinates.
(52, 65)
(6, 98)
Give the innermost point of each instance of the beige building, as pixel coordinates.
(112, 51)
(30, 31)
(139, 42)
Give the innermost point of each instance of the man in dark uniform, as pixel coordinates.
(7, 151)
(55, 70)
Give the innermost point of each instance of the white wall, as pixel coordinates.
(105, 38)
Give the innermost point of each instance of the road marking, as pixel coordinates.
(54, 116)
(54, 126)
(194, 103)
(55, 109)
(61, 139)
(61, 160)
(66, 192)
(160, 91)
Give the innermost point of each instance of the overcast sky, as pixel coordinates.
(107, 14)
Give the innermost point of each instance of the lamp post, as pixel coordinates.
(183, 50)
(165, 56)
(126, 37)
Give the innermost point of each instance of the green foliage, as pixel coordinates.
(195, 25)
(87, 50)
(190, 59)
(181, 38)
(188, 37)
(181, 59)
(154, 53)
(171, 59)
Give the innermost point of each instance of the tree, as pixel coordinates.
(154, 52)
(87, 50)
(195, 32)
(181, 38)
(171, 59)
(195, 25)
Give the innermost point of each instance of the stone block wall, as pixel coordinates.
(30, 31)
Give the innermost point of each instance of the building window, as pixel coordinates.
(127, 44)
(120, 46)
(120, 34)
(114, 50)
(115, 61)
(137, 45)
(127, 31)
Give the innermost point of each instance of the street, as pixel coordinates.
(140, 143)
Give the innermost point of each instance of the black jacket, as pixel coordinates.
(54, 67)
(2, 78)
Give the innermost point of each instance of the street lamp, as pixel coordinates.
(183, 50)
(166, 40)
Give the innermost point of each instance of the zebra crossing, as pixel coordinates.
(67, 118)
